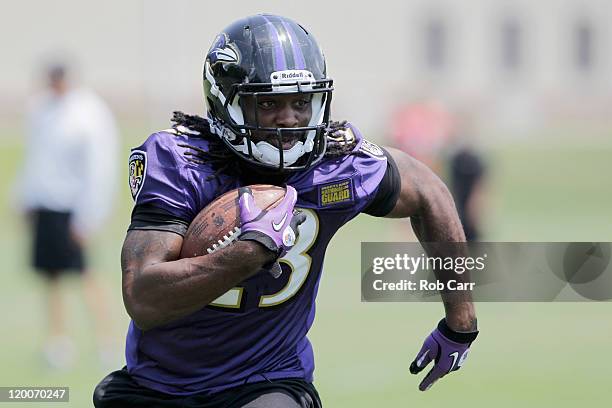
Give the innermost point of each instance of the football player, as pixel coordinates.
(219, 330)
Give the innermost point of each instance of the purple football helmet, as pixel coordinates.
(265, 55)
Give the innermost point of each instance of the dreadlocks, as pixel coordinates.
(340, 142)
(217, 156)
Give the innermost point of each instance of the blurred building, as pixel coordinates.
(521, 64)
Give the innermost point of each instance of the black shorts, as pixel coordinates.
(54, 250)
(118, 389)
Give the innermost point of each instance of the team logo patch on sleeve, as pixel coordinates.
(137, 165)
(371, 149)
(336, 192)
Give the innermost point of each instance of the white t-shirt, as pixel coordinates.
(71, 157)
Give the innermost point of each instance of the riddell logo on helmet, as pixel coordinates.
(291, 75)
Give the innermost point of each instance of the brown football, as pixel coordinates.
(216, 226)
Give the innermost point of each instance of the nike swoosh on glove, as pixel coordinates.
(276, 228)
(447, 348)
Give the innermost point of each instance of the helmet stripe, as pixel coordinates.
(279, 56)
(298, 56)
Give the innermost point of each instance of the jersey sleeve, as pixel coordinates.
(162, 186)
(388, 190)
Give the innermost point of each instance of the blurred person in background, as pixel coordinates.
(66, 190)
(467, 174)
(422, 128)
(428, 131)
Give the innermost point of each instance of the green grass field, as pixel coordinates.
(528, 354)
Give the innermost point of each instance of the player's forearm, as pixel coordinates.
(438, 222)
(167, 291)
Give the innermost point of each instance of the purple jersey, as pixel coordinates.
(257, 330)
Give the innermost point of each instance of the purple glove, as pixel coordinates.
(447, 347)
(276, 229)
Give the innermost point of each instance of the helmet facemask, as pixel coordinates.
(245, 137)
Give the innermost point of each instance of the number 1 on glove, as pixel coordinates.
(447, 348)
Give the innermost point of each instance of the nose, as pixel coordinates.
(287, 116)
